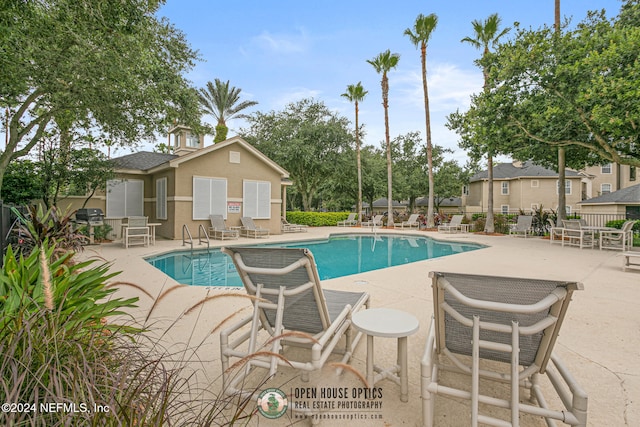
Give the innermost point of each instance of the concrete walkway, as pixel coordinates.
(599, 339)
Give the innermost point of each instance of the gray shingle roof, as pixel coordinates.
(528, 169)
(629, 195)
(142, 160)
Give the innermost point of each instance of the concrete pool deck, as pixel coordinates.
(599, 340)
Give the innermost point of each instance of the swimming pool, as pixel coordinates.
(337, 256)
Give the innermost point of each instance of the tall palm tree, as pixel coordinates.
(222, 102)
(420, 36)
(383, 63)
(356, 94)
(486, 35)
(562, 155)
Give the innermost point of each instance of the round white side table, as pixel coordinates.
(387, 323)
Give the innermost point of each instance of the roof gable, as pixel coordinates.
(142, 160)
(220, 145)
(628, 195)
(147, 161)
(528, 170)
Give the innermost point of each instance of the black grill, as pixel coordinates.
(93, 216)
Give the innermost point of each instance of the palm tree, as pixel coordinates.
(420, 36)
(222, 102)
(487, 34)
(562, 155)
(355, 94)
(382, 63)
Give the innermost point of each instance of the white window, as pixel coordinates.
(535, 183)
(505, 187)
(568, 209)
(125, 198)
(567, 186)
(193, 140)
(504, 209)
(606, 168)
(256, 199)
(465, 190)
(605, 188)
(161, 198)
(209, 197)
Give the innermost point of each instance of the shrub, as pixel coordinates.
(52, 225)
(316, 219)
(500, 222)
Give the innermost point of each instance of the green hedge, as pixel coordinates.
(617, 223)
(316, 219)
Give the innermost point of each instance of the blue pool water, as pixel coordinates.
(337, 256)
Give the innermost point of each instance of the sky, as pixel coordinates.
(281, 51)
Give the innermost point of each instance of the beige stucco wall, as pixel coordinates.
(620, 177)
(217, 164)
(522, 195)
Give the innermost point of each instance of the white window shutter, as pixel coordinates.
(219, 197)
(264, 200)
(161, 198)
(249, 199)
(134, 198)
(115, 198)
(201, 198)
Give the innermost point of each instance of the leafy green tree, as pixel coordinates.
(373, 173)
(223, 103)
(306, 138)
(110, 68)
(578, 89)
(422, 30)
(22, 182)
(449, 178)
(408, 168)
(356, 94)
(486, 35)
(383, 63)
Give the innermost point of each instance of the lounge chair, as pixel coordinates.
(290, 308)
(287, 227)
(555, 233)
(411, 222)
(452, 226)
(219, 230)
(618, 239)
(249, 228)
(523, 226)
(137, 232)
(574, 235)
(376, 221)
(510, 325)
(350, 221)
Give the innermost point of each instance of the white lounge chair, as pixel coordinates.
(523, 226)
(511, 322)
(411, 222)
(287, 227)
(250, 229)
(219, 230)
(618, 239)
(453, 226)
(290, 308)
(351, 220)
(376, 221)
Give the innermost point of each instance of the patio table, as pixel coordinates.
(389, 323)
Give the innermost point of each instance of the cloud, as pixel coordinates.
(282, 43)
(450, 87)
(294, 94)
